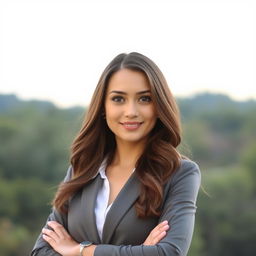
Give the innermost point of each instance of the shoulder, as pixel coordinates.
(187, 167)
(69, 174)
(188, 174)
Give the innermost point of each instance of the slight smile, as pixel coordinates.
(131, 125)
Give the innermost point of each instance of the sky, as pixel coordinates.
(57, 49)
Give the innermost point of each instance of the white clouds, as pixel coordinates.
(56, 50)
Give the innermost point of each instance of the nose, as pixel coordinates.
(131, 110)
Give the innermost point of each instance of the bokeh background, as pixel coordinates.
(52, 53)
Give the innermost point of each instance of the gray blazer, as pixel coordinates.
(123, 232)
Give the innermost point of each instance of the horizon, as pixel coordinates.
(195, 95)
(61, 57)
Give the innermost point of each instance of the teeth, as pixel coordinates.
(131, 125)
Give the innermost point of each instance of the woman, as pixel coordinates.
(128, 191)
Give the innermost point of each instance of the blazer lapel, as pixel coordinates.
(124, 200)
(88, 200)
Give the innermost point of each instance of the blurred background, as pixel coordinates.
(52, 54)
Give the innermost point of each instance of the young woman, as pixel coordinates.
(128, 191)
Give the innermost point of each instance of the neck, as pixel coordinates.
(127, 154)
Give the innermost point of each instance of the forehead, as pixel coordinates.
(128, 80)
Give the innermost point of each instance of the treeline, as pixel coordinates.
(219, 134)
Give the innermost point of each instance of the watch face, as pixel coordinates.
(85, 243)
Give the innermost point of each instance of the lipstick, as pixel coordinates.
(131, 125)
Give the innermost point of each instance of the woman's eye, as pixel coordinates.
(117, 99)
(145, 98)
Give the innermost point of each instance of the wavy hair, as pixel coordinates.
(95, 140)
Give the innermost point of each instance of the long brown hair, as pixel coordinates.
(95, 140)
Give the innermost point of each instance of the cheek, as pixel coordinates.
(150, 113)
(108, 111)
(112, 114)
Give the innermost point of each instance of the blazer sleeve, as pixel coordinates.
(179, 209)
(41, 247)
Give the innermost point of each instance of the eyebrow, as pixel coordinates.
(124, 93)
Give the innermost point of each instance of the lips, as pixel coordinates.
(131, 125)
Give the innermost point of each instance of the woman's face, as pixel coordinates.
(130, 112)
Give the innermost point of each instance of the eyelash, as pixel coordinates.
(148, 98)
(119, 99)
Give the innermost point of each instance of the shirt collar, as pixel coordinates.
(102, 169)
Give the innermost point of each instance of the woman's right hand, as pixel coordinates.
(157, 234)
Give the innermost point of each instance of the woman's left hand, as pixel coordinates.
(157, 234)
(60, 240)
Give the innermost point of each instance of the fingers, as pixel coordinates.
(58, 229)
(157, 234)
(57, 233)
(161, 227)
(59, 239)
(50, 240)
(156, 238)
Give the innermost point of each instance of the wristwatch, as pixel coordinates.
(83, 245)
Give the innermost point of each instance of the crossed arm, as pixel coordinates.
(179, 210)
(59, 239)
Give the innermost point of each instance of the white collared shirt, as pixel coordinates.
(101, 206)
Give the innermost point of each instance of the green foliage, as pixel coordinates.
(218, 133)
(38, 140)
(13, 239)
(24, 205)
(248, 159)
(227, 218)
